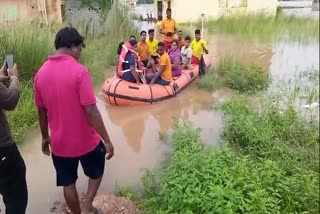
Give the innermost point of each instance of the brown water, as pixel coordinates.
(135, 130)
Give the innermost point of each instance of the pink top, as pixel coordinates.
(63, 86)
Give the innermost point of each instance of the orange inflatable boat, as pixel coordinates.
(120, 92)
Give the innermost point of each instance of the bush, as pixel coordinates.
(237, 76)
(203, 180)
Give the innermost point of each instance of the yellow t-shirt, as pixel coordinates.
(143, 51)
(153, 47)
(196, 47)
(167, 73)
(168, 25)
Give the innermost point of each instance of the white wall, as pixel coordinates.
(183, 12)
(267, 6)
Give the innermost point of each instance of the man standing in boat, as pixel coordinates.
(199, 46)
(168, 29)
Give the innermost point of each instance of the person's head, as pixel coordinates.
(151, 34)
(132, 37)
(169, 13)
(120, 48)
(174, 45)
(187, 41)
(180, 34)
(161, 48)
(197, 34)
(134, 44)
(143, 35)
(69, 41)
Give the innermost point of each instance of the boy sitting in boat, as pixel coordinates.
(199, 46)
(163, 75)
(186, 53)
(129, 62)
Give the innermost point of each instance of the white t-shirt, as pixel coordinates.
(185, 54)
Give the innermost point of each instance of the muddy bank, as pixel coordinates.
(106, 204)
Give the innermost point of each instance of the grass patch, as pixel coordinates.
(268, 163)
(280, 26)
(31, 43)
(199, 179)
(230, 73)
(25, 115)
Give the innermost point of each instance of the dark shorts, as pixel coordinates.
(127, 76)
(145, 62)
(13, 186)
(160, 81)
(93, 164)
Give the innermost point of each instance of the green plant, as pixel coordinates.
(198, 179)
(265, 27)
(237, 76)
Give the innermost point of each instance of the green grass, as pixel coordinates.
(235, 75)
(281, 27)
(31, 43)
(267, 163)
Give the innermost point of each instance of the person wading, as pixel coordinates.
(66, 103)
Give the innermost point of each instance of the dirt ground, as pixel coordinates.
(107, 204)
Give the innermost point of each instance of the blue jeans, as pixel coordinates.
(160, 81)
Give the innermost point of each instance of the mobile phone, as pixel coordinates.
(9, 63)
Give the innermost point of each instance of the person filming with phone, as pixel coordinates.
(13, 187)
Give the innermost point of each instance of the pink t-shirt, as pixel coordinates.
(63, 86)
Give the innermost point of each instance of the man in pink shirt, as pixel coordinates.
(66, 103)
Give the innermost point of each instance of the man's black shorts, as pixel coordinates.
(93, 164)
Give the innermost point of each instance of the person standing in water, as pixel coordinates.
(13, 186)
(168, 29)
(199, 46)
(66, 103)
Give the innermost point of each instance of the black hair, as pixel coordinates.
(175, 41)
(197, 31)
(132, 37)
(180, 31)
(120, 48)
(188, 38)
(143, 32)
(161, 44)
(133, 42)
(150, 31)
(68, 37)
(168, 10)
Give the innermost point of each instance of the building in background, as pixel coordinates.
(48, 11)
(189, 11)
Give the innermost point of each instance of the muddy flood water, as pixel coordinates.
(135, 131)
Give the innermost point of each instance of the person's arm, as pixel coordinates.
(88, 101)
(162, 28)
(162, 67)
(176, 64)
(205, 47)
(9, 97)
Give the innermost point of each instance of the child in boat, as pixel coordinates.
(180, 39)
(143, 49)
(186, 53)
(175, 58)
(199, 46)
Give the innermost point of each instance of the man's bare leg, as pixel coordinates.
(72, 199)
(93, 186)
